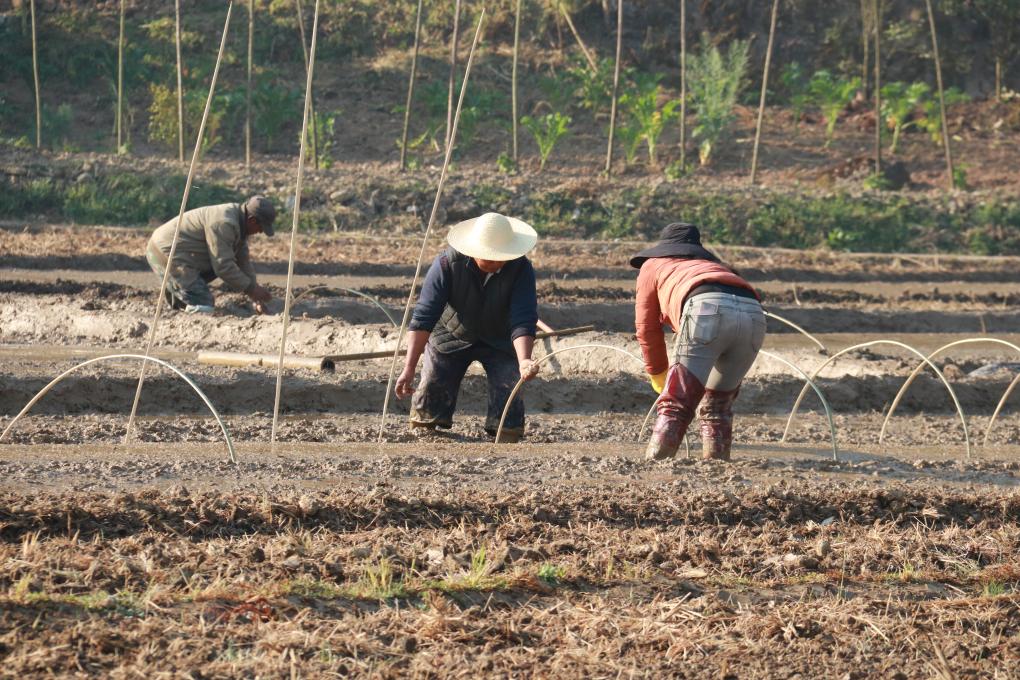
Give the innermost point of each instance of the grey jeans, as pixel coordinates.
(720, 335)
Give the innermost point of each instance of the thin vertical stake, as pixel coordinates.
(161, 298)
(513, 76)
(35, 76)
(877, 6)
(865, 47)
(315, 127)
(294, 228)
(616, 86)
(764, 89)
(580, 41)
(180, 85)
(942, 96)
(683, 85)
(247, 97)
(453, 70)
(120, 80)
(410, 89)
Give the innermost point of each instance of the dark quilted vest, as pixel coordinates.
(475, 313)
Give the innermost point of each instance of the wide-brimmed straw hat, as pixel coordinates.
(492, 237)
(678, 239)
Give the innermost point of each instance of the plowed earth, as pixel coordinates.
(447, 555)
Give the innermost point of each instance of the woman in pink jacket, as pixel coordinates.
(721, 326)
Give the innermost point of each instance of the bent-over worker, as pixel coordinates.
(721, 327)
(478, 303)
(212, 243)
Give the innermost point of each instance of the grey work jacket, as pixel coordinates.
(212, 240)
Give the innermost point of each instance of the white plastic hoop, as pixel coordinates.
(143, 358)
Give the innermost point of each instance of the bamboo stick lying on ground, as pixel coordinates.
(328, 363)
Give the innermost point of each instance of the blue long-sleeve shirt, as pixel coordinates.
(435, 293)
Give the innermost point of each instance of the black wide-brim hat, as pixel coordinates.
(678, 239)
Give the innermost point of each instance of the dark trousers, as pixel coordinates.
(185, 286)
(435, 399)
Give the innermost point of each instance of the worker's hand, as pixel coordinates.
(260, 295)
(528, 368)
(658, 381)
(405, 383)
(261, 308)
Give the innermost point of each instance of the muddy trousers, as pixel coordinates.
(435, 400)
(185, 286)
(720, 336)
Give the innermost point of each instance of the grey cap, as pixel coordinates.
(261, 208)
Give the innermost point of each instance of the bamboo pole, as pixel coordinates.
(329, 361)
(410, 89)
(35, 77)
(247, 95)
(879, 123)
(998, 79)
(180, 85)
(764, 89)
(616, 87)
(161, 298)
(453, 71)
(683, 85)
(865, 47)
(513, 76)
(577, 36)
(294, 229)
(428, 227)
(304, 50)
(120, 80)
(942, 97)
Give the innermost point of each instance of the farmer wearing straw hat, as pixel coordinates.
(721, 328)
(212, 244)
(477, 303)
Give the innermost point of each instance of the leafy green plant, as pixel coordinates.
(551, 573)
(899, 102)
(325, 128)
(832, 94)
(478, 572)
(675, 171)
(993, 589)
(642, 110)
(506, 164)
(877, 182)
(273, 107)
(794, 82)
(163, 116)
(593, 89)
(547, 130)
(960, 177)
(931, 121)
(418, 145)
(557, 92)
(379, 583)
(630, 135)
(479, 105)
(715, 81)
(56, 125)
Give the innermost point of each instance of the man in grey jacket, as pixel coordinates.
(212, 244)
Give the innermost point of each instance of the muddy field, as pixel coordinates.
(449, 555)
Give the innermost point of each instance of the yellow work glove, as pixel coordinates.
(658, 381)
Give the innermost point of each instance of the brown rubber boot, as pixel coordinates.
(676, 406)
(716, 415)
